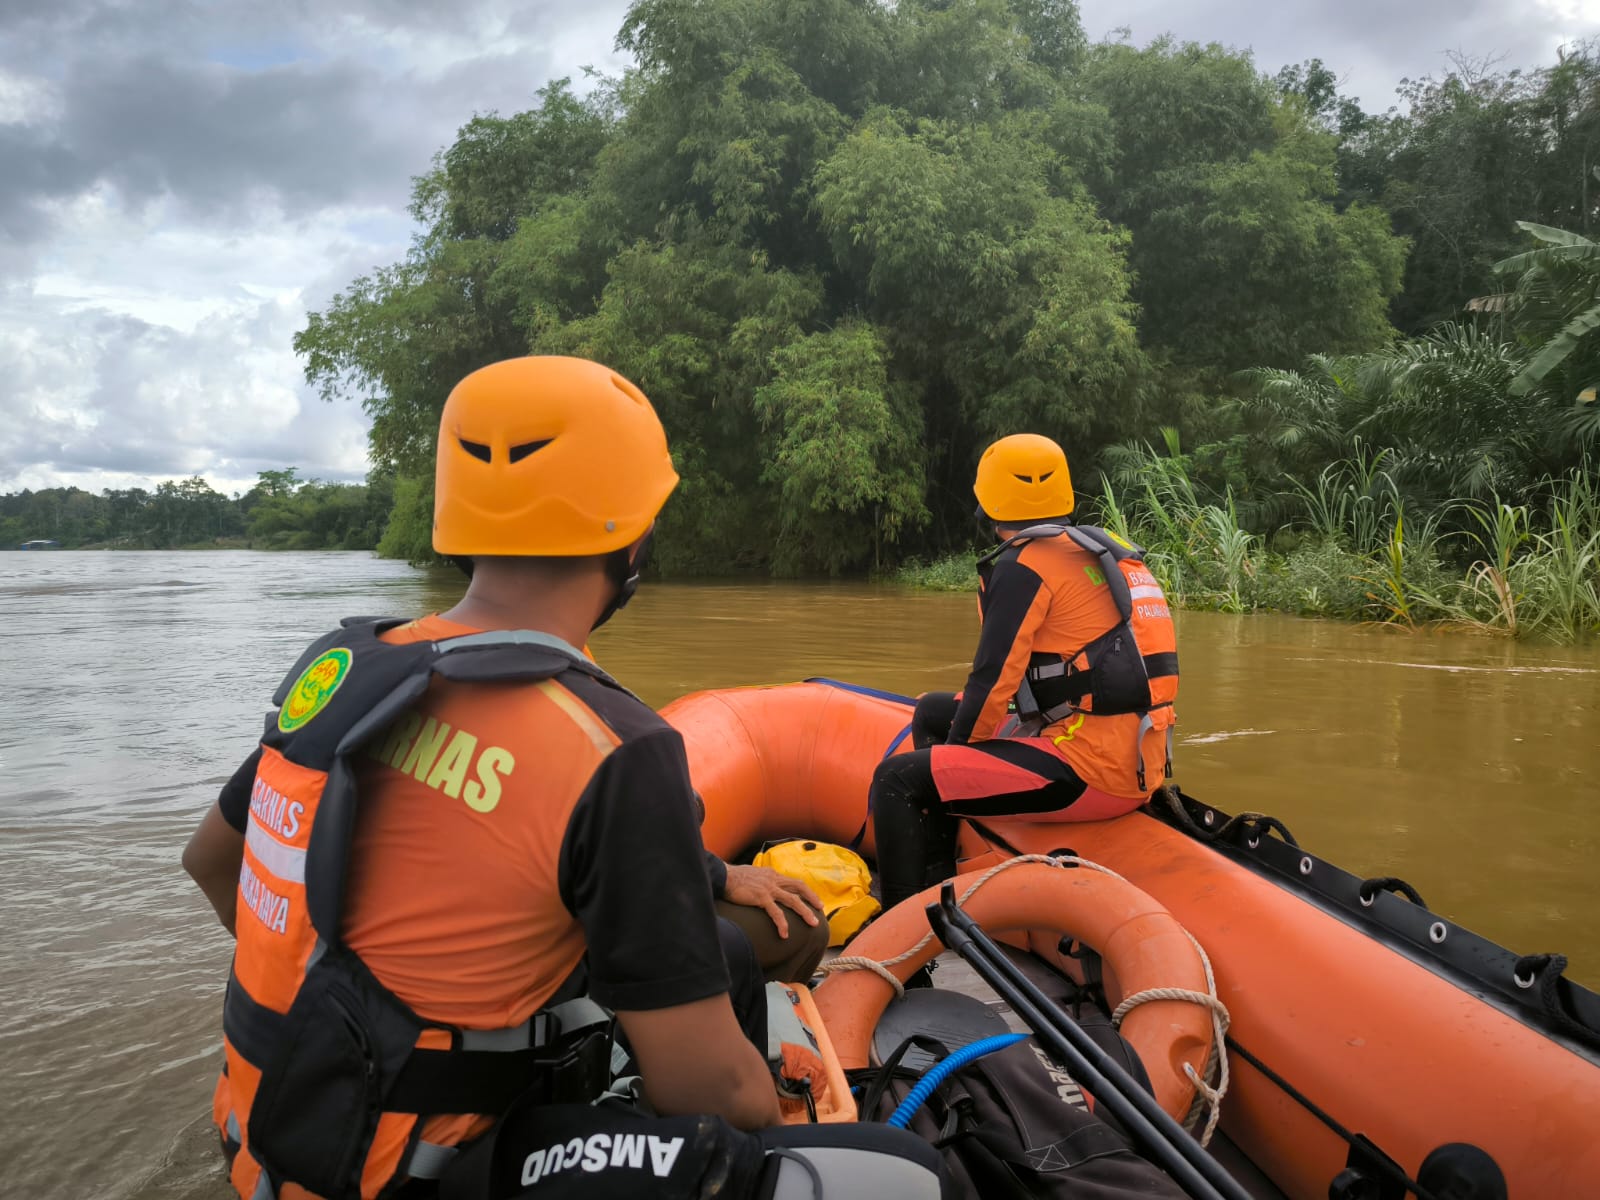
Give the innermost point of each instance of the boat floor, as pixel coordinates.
(954, 974)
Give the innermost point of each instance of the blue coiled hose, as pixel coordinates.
(937, 1073)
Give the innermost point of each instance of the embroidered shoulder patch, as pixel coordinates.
(315, 687)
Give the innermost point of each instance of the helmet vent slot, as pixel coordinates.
(1045, 476)
(476, 449)
(518, 453)
(1026, 478)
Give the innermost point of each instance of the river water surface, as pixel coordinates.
(131, 685)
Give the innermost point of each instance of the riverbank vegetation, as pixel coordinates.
(281, 512)
(842, 244)
(1351, 551)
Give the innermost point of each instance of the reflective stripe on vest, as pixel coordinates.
(288, 863)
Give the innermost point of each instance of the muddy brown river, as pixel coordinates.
(131, 685)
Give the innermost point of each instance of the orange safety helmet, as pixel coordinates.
(1024, 477)
(547, 456)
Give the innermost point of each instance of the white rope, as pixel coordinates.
(860, 962)
(1208, 1098)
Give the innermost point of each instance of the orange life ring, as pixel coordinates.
(1143, 945)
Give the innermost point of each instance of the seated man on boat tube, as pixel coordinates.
(462, 850)
(1067, 712)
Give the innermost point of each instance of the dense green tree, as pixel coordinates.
(843, 243)
(1241, 256)
(695, 324)
(189, 511)
(295, 514)
(1317, 87)
(748, 203)
(1462, 160)
(128, 514)
(70, 516)
(1004, 300)
(846, 449)
(1462, 178)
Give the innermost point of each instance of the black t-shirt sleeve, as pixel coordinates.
(633, 871)
(717, 871)
(1007, 601)
(234, 799)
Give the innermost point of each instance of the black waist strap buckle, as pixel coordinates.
(574, 1070)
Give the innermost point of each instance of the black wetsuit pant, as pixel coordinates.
(915, 829)
(747, 988)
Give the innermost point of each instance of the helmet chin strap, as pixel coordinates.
(986, 524)
(624, 573)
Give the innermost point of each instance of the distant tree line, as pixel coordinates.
(281, 512)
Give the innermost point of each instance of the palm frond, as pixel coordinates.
(1581, 423)
(1553, 236)
(1556, 350)
(1546, 256)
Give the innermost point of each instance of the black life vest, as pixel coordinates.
(318, 1051)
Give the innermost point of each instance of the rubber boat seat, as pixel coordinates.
(954, 1019)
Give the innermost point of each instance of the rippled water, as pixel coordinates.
(134, 683)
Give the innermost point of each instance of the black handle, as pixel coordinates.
(1162, 1138)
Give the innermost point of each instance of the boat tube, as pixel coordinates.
(1366, 1031)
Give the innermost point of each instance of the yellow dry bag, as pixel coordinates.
(839, 877)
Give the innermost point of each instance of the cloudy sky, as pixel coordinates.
(182, 180)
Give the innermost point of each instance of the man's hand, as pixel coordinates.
(764, 888)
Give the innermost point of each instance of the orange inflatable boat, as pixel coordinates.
(1363, 1026)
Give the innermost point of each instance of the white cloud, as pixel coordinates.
(147, 348)
(26, 99)
(1572, 12)
(149, 262)
(1369, 44)
(95, 393)
(179, 184)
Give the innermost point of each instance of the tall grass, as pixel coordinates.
(1490, 589)
(1358, 550)
(1203, 555)
(952, 573)
(1353, 501)
(1407, 580)
(1560, 573)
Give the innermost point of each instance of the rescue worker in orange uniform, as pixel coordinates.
(524, 860)
(1066, 712)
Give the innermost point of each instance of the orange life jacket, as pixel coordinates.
(1130, 668)
(328, 1074)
